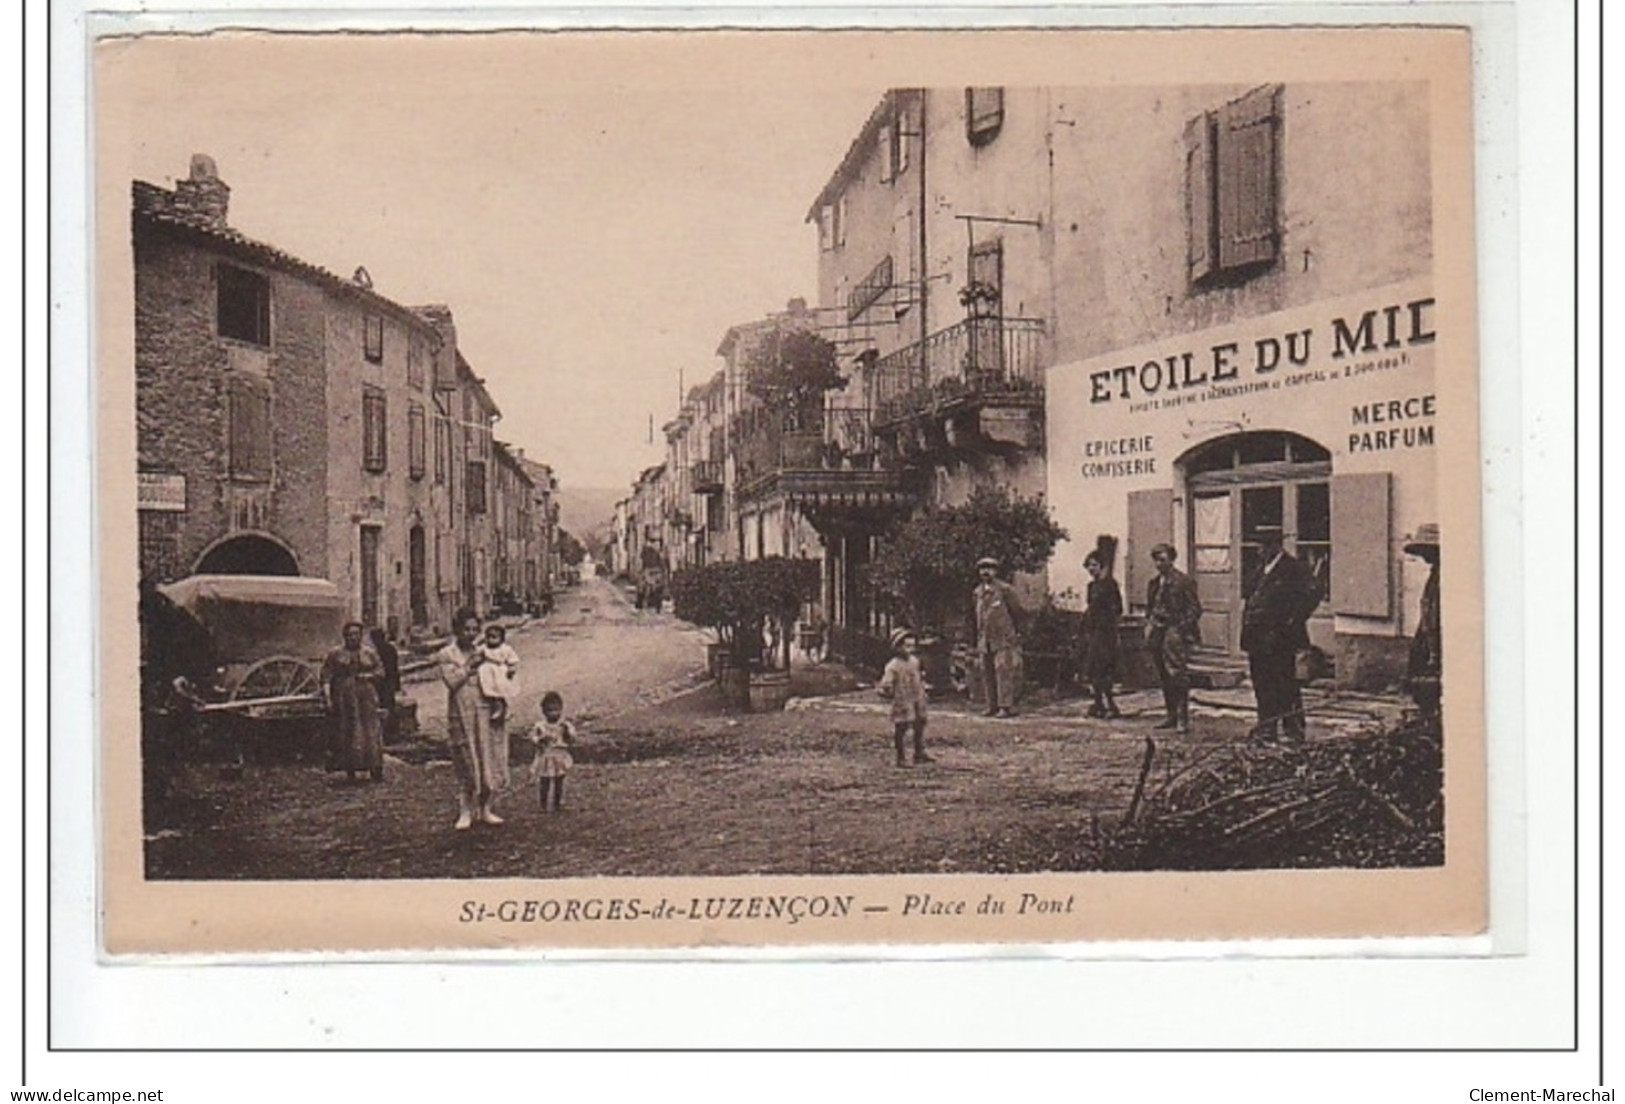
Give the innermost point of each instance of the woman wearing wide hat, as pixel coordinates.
(1102, 613)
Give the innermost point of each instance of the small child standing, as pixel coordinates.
(903, 682)
(499, 674)
(553, 737)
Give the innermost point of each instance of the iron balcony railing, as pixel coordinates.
(707, 476)
(979, 357)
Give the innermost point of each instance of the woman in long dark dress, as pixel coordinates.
(1101, 616)
(350, 679)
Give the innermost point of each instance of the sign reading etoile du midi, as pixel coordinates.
(1272, 351)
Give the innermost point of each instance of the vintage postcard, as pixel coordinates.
(709, 489)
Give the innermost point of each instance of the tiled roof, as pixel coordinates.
(150, 205)
(862, 147)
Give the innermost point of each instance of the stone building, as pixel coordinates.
(542, 568)
(292, 421)
(1179, 313)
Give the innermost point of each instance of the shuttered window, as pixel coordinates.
(475, 487)
(373, 342)
(984, 114)
(871, 288)
(1199, 197)
(442, 449)
(417, 445)
(248, 402)
(1232, 188)
(1361, 533)
(374, 433)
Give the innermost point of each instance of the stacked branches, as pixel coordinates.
(1354, 801)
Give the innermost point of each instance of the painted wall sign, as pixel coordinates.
(1349, 342)
(165, 493)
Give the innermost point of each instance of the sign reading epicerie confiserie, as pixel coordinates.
(1348, 343)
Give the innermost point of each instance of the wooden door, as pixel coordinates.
(369, 575)
(418, 575)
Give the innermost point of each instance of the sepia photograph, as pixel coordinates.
(736, 488)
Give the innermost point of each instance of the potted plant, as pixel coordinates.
(927, 568)
(747, 604)
(980, 299)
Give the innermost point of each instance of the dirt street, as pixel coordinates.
(668, 782)
(602, 655)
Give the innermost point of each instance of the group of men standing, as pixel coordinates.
(1280, 594)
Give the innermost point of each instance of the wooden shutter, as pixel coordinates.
(1247, 184)
(416, 445)
(1150, 523)
(1199, 197)
(984, 114)
(248, 402)
(1362, 542)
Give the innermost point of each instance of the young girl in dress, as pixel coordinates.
(904, 683)
(553, 737)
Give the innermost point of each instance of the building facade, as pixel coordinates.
(291, 421)
(1245, 338)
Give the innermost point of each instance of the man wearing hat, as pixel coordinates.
(997, 641)
(1173, 625)
(1422, 673)
(1280, 597)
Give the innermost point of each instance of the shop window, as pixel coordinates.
(1232, 189)
(242, 305)
(1210, 532)
(417, 445)
(1314, 529)
(248, 409)
(374, 436)
(373, 327)
(984, 114)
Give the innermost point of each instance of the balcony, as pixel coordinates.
(706, 476)
(976, 384)
(831, 474)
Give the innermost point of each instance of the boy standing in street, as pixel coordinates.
(904, 683)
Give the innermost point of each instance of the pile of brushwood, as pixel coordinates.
(1347, 801)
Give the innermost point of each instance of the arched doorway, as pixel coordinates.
(1234, 486)
(247, 554)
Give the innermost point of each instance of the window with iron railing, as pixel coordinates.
(870, 288)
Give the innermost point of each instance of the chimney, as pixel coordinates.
(202, 197)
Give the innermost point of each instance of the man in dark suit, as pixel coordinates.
(1173, 626)
(1281, 595)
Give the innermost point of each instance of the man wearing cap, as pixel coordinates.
(1280, 597)
(997, 641)
(1173, 625)
(1422, 673)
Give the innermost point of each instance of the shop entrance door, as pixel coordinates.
(1237, 486)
